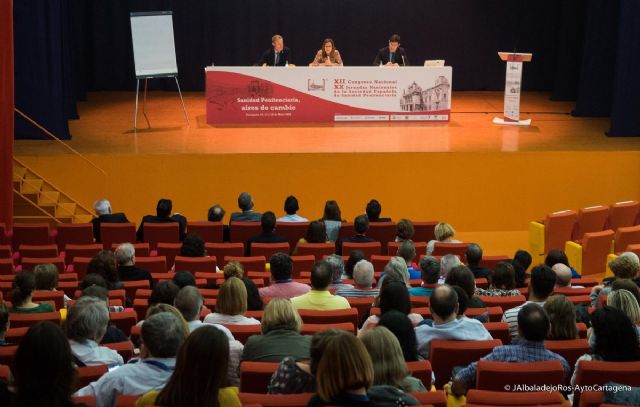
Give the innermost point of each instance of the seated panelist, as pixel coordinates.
(328, 55)
(277, 55)
(392, 55)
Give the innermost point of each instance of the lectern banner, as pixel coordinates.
(327, 94)
(512, 91)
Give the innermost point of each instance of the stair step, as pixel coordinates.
(48, 198)
(31, 186)
(18, 173)
(82, 218)
(65, 210)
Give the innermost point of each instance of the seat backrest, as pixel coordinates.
(80, 250)
(495, 313)
(346, 230)
(505, 303)
(489, 262)
(459, 249)
(251, 263)
(319, 250)
(57, 297)
(243, 332)
(558, 228)
(363, 305)
(369, 249)
(74, 233)
(497, 398)
(302, 263)
(116, 233)
(277, 400)
(311, 329)
(7, 267)
(496, 375)
(29, 263)
(155, 233)
(379, 262)
(590, 219)
(21, 320)
(6, 252)
(570, 291)
(132, 287)
(30, 234)
(255, 376)
(7, 355)
(596, 247)
(595, 372)
(154, 264)
(222, 250)
(621, 214)
(329, 317)
(124, 348)
(635, 248)
(210, 232)
(382, 232)
(392, 248)
(88, 374)
(170, 251)
(570, 349)
(269, 249)
(293, 231)
(38, 251)
(445, 355)
(124, 320)
(424, 231)
(240, 232)
(421, 369)
(196, 264)
(142, 249)
(499, 330)
(626, 236)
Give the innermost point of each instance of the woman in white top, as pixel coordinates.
(87, 323)
(231, 305)
(444, 234)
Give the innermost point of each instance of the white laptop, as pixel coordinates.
(434, 62)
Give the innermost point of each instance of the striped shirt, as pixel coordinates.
(354, 292)
(510, 316)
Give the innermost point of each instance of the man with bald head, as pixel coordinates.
(563, 275)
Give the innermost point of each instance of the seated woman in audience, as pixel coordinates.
(614, 338)
(354, 258)
(328, 55)
(393, 296)
(192, 246)
(280, 337)
(521, 262)
(164, 293)
(231, 305)
(401, 326)
(389, 366)
(444, 234)
(332, 220)
(235, 269)
(24, 284)
(316, 233)
(43, 374)
(627, 303)
(345, 375)
(47, 279)
(462, 276)
(503, 282)
(562, 317)
(624, 267)
(4, 323)
(298, 377)
(104, 263)
(396, 269)
(87, 323)
(200, 375)
(404, 230)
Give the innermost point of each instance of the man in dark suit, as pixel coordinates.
(103, 210)
(127, 270)
(163, 215)
(277, 55)
(268, 235)
(392, 55)
(245, 203)
(361, 225)
(373, 212)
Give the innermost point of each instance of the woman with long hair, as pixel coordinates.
(562, 317)
(200, 375)
(328, 55)
(394, 295)
(332, 219)
(24, 283)
(104, 263)
(401, 326)
(231, 305)
(316, 233)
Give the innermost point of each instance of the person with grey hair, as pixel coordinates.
(363, 279)
(430, 273)
(337, 273)
(103, 210)
(447, 263)
(162, 335)
(395, 269)
(87, 323)
(245, 203)
(127, 270)
(407, 251)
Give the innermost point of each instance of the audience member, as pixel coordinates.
(103, 210)
(87, 322)
(363, 279)
(402, 327)
(104, 264)
(316, 233)
(163, 215)
(216, 213)
(444, 234)
(4, 323)
(164, 293)
(43, 374)
(628, 285)
(626, 302)
(190, 303)
(162, 335)
(373, 212)
(404, 230)
(558, 256)
(393, 296)
(280, 337)
(562, 317)
(407, 251)
(502, 282)
(563, 275)
(396, 270)
(614, 338)
(24, 283)
(533, 325)
(354, 258)
(389, 367)
(200, 375)
(463, 278)
(46, 276)
(521, 262)
(113, 333)
(193, 246)
(474, 257)
(268, 234)
(623, 268)
(337, 272)
(245, 203)
(183, 279)
(332, 219)
(429, 274)
(543, 280)
(360, 225)
(158, 308)
(444, 310)
(231, 305)
(126, 261)
(291, 208)
(447, 263)
(319, 297)
(235, 269)
(282, 286)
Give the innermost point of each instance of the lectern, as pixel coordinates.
(512, 89)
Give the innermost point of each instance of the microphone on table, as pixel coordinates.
(403, 64)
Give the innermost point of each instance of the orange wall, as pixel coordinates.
(473, 191)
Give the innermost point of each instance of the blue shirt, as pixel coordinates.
(463, 329)
(520, 350)
(421, 291)
(413, 273)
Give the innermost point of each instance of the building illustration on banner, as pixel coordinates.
(415, 99)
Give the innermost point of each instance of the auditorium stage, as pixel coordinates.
(487, 180)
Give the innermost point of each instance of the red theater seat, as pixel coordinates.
(369, 249)
(116, 233)
(195, 264)
(495, 375)
(459, 249)
(74, 233)
(445, 355)
(293, 231)
(30, 234)
(155, 233)
(170, 251)
(222, 250)
(253, 263)
(329, 317)
(319, 250)
(210, 232)
(269, 249)
(71, 251)
(240, 232)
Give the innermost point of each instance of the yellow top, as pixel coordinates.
(227, 397)
(320, 300)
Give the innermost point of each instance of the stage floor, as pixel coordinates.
(106, 127)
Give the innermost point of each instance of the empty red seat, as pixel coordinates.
(369, 249)
(621, 214)
(311, 329)
(125, 349)
(269, 249)
(243, 332)
(72, 251)
(38, 251)
(30, 234)
(293, 231)
(459, 249)
(489, 262)
(6, 266)
(382, 232)
(170, 251)
(89, 374)
(252, 263)
(255, 376)
(74, 233)
(210, 232)
(6, 252)
(195, 264)
(155, 233)
(240, 232)
(504, 302)
(222, 250)
(302, 263)
(495, 375)
(595, 372)
(499, 330)
(571, 349)
(124, 320)
(626, 236)
(445, 355)
(155, 264)
(329, 317)
(276, 400)
(116, 233)
(591, 219)
(421, 369)
(319, 250)
(29, 263)
(20, 320)
(132, 287)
